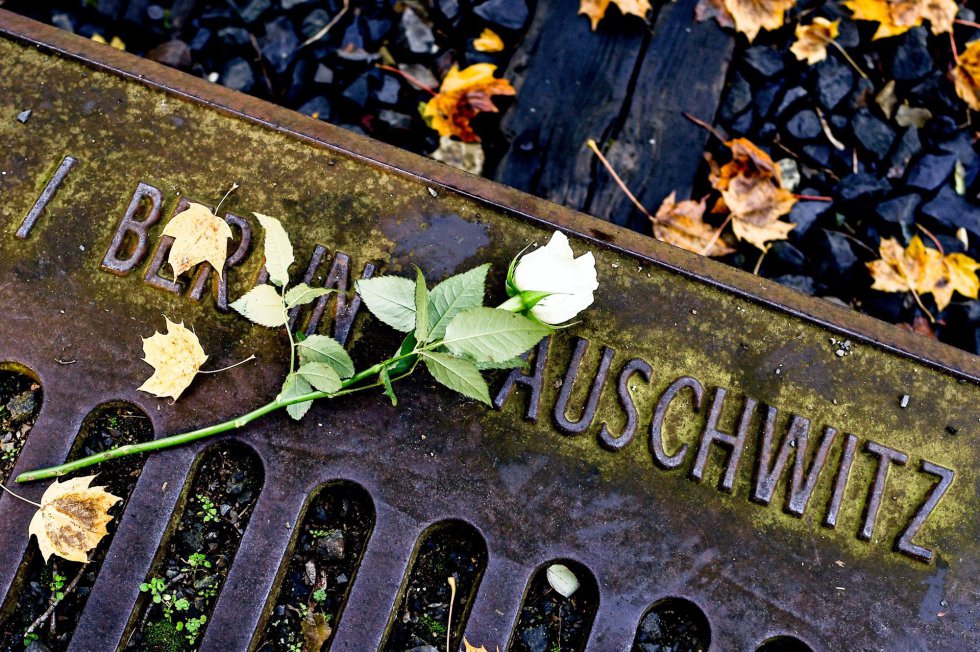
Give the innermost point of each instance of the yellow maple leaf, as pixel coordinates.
(72, 519)
(472, 648)
(708, 9)
(682, 225)
(960, 276)
(966, 75)
(199, 235)
(899, 16)
(175, 358)
(462, 95)
(596, 9)
(923, 270)
(751, 187)
(489, 41)
(750, 16)
(812, 40)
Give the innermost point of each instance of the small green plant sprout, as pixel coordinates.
(209, 511)
(319, 595)
(435, 627)
(193, 627)
(198, 560)
(57, 585)
(29, 638)
(447, 329)
(157, 589)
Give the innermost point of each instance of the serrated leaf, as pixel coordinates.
(262, 305)
(458, 375)
(199, 235)
(455, 294)
(175, 357)
(278, 249)
(513, 363)
(389, 390)
(303, 294)
(72, 519)
(321, 375)
(391, 299)
(294, 386)
(491, 335)
(320, 348)
(421, 308)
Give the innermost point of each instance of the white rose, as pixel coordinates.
(553, 268)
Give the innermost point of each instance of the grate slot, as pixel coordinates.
(548, 619)
(784, 644)
(673, 623)
(182, 586)
(20, 402)
(324, 556)
(106, 426)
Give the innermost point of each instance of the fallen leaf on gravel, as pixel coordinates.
(812, 40)
(465, 156)
(72, 519)
(472, 648)
(682, 225)
(746, 16)
(708, 9)
(316, 631)
(751, 187)
(463, 94)
(899, 16)
(596, 9)
(966, 75)
(199, 236)
(924, 270)
(488, 42)
(175, 357)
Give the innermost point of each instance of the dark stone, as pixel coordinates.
(323, 75)
(887, 306)
(789, 257)
(24, 116)
(930, 171)
(395, 120)
(279, 43)
(155, 13)
(331, 545)
(360, 89)
(767, 132)
(765, 61)
(790, 99)
(418, 35)
(803, 284)
(875, 136)
(834, 256)
(848, 36)
(536, 638)
(377, 29)
(742, 123)
(509, 14)
(860, 186)
(834, 81)
(900, 210)
(108, 8)
(238, 75)
(953, 211)
(314, 22)
(63, 21)
(175, 54)
(935, 92)
(136, 11)
(179, 10)
(251, 10)
(448, 9)
(292, 4)
(233, 36)
(738, 98)
(200, 40)
(388, 93)
(819, 153)
(912, 60)
(805, 214)
(805, 125)
(22, 407)
(863, 95)
(765, 99)
(355, 36)
(908, 147)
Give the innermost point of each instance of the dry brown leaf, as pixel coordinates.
(966, 75)
(751, 187)
(72, 519)
(175, 357)
(463, 94)
(750, 16)
(472, 648)
(921, 326)
(924, 270)
(899, 16)
(708, 9)
(489, 41)
(682, 225)
(812, 40)
(199, 235)
(596, 9)
(316, 631)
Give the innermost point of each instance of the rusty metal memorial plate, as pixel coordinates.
(701, 434)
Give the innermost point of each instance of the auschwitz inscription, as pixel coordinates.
(801, 456)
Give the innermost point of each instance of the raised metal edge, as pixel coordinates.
(854, 325)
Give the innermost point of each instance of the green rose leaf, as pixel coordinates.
(294, 386)
(458, 375)
(491, 335)
(321, 375)
(278, 250)
(320, 348)
(389, 390)
(421, 308)
(262, 305)
(303, 294)
(391, 299)
(455, 294)
(513, 363)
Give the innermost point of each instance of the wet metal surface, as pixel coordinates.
(669, 467)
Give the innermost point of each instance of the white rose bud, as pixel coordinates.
(553, 268)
